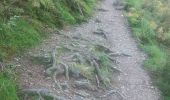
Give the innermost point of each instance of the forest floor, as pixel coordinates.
(109, 27)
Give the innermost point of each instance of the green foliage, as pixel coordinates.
(150, 25)
(7, 88)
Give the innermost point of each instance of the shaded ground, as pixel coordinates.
(132, 83)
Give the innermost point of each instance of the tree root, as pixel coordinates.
(54, 63)
(101, 33)
(113, 92)
(102, 10)
(82, 54)
(97, 81)
(103, 49)
(119, 54)
(55, 81)
(41, 93)
(98, 71)
(66, 68)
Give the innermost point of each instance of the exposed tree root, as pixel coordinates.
(97, 81)
(103, 49)
(54, 67)
(102, 10)
(119, 54)
(101, 33)
(66, 68)
(98, 71)
(84, 55)
(41, 93)
(113, 92)
(55, 81)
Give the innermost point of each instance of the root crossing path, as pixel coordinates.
(109, 27)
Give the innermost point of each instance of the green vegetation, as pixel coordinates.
(149, 20)
(7, 88)
(23, 24)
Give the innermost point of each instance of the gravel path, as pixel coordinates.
(133, 83)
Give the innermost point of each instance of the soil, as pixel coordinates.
(109, 26)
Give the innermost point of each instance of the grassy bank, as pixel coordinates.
(149, 20)
(24, 23)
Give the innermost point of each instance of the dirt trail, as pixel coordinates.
(133, 83)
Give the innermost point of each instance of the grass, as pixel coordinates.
(24, 23)
(148, 19)
(7, 88)
(105, 67)
(157, 58)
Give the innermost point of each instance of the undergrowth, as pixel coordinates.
(149, 20)
(24, 23)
